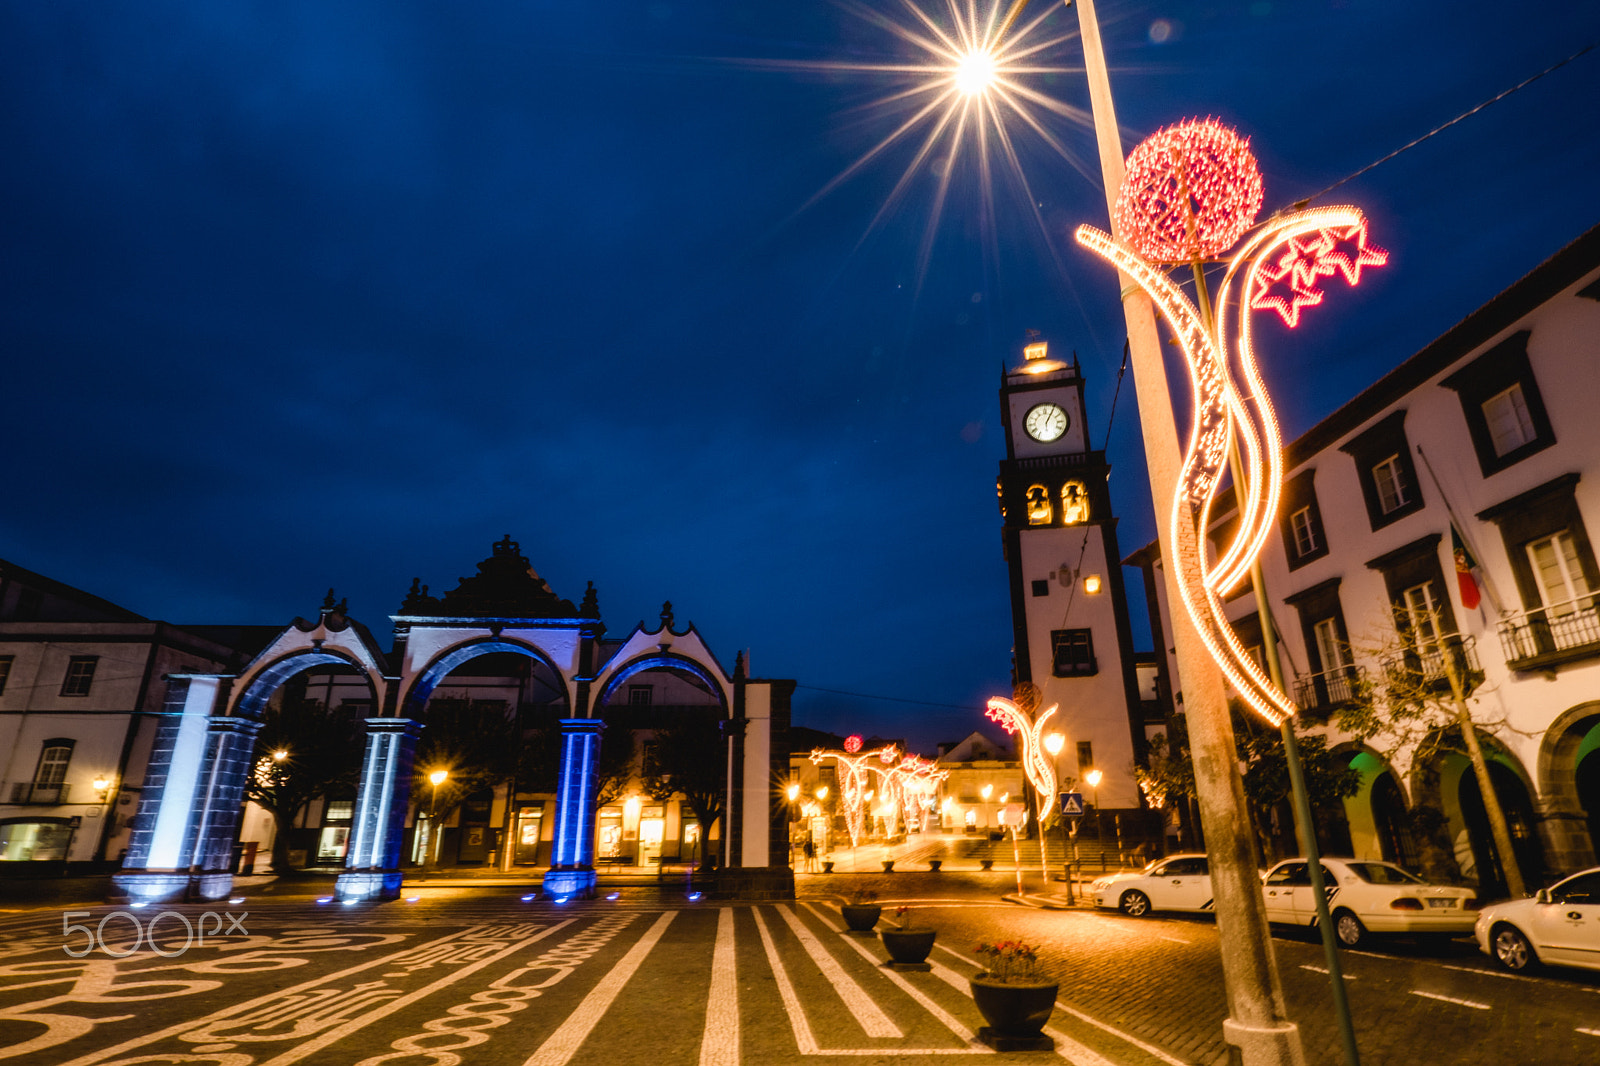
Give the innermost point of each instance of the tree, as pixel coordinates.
(320, 751)
(1169, 772)
(1422, 705)
(686, 759)
(477, 745)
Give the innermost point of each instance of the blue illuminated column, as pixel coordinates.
(230, 749)
(172, 803)
(372, 859)
(572, 864)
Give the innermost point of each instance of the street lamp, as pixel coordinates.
(280, 755)
(435, 779)
(1092, 779)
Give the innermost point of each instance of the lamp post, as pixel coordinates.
(1256, 1024)
(435, 779)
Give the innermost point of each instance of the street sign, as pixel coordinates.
(1072, 804)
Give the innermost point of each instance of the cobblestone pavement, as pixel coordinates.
(479, 975)
(484, 976)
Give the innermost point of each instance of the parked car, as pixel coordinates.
(1367, 896)
(1176, 883)
(1559, 926)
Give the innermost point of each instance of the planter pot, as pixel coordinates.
(1015, 1012)
(827, 866)
(908, 945)
(934, 864)
(888, 866)
(861, 917)
(987, 864)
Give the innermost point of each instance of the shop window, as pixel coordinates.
(1388, 477)
(1074, 652)
(335, 834)
(42, 840)
(1501, 405)
(80, 675)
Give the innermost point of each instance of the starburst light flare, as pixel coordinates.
(962, 99)
(1290, 250)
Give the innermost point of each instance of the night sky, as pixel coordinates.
(308, 294)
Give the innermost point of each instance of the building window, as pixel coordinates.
(1421, 609)
(53, 760)
(1501, 405)
(1510, 425)
(1074, 652)
(80, 675)
(1385, 469)
(1085, 757)
(1557, 577)
(5, 671)
(1074, 503)
(1039, 510)
(1304, 527)
(1041, 587)
(1390, 480)
(1332, 652)
(640, 695)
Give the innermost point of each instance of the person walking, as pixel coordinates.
(810, 851)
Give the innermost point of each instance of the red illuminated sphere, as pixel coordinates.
(852, 744)
(1190, 192)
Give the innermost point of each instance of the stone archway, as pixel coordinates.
(1448, 784)
(1569, 788)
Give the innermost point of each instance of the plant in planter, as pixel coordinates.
(907, 946)
(862, 912)
(1013, 997)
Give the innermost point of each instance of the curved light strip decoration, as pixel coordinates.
(1035, 763)
(1280, 265)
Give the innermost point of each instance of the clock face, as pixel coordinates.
(1045, 423)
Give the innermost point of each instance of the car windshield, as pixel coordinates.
(1381, 873)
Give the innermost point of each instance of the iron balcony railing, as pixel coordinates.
(1320, 693)
(26, 793)
(1425, 664)
(1572, 626)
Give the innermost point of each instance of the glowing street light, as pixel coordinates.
(436, 779)
(1093, 779)
(1053, 742)
(280, 755)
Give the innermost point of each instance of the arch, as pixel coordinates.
(250, 702)
(1569, 787)
(443, 663)
(662, 661)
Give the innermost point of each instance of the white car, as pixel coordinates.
(1560, 926)
(1176, 883)
(1367, 896)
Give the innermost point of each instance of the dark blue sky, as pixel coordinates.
(306, 294)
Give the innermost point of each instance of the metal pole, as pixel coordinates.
(1256, 1025)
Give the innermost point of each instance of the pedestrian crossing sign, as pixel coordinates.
(1072, 804)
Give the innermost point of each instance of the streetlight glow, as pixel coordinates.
(794, 793)
(822, 792)
(280, 755)
(975, 72)
(1092, 778)
(1053, 742)
(437, 777)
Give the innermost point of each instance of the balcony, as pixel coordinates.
(1319, 694)
(28, 794)
(1423, 666)
(1536, 640)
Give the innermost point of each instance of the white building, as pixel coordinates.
(1492, 427)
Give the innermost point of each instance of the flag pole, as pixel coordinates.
(1460, 528)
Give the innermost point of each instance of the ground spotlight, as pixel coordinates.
(561, 899)
(529, 899)
(325, 899)
(141, 904)
(694, 897)
(615, 895)
(236, 899)
(350, 902)
(412, 899)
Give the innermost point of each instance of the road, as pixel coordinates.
(480, 976)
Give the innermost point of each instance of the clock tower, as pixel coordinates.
(1069, 615)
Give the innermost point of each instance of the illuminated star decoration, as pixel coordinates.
(1292, 284)
(1040, 770)
(1158, 227)
(962, 88)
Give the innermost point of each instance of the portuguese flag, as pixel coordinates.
(1465, 566)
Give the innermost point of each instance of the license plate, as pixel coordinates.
(1441, 903)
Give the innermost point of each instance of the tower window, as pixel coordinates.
(1039, 513)
(1041, 587)
(1074, 652)
(1074, 503)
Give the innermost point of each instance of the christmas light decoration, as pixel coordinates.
(1040, 769)
(1164, 220)
(852, 744)
(1190, 193)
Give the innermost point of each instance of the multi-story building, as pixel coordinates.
(81, 691)
(1438, 519)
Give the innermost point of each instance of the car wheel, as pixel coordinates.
(1511, 949)
(1348, 928)
(1135, 904)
